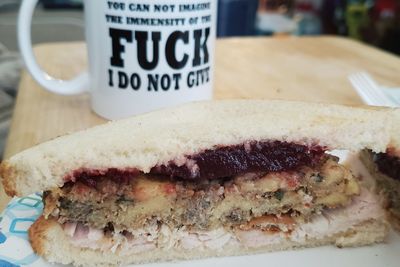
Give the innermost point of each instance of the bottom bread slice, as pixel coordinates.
(362, 222)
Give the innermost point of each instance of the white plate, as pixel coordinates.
(20, 213)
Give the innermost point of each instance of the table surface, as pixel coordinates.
(295, 68)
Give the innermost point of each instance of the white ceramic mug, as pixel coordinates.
(143, 54)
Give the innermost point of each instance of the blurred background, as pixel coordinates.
(375, 22)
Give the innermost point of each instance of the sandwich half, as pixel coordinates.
(204, 179)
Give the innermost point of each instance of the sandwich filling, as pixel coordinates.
(327, 224)
(389, 165)
(220, 196)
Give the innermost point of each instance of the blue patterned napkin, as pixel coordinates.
(15, 249)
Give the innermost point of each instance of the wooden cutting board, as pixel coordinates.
(295, 68)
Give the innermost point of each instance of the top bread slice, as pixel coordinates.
(159, 137)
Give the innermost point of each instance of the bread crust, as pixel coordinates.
(8, 177)
(38, 232)
(139, 142)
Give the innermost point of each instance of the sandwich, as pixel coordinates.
(202, 180)
(384, 167)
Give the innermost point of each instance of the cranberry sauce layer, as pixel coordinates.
(228, 161)
(387, 164)
(91, 177)
(221, 162)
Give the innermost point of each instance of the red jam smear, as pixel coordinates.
(221, 162)
(238, 159)
(91, 177)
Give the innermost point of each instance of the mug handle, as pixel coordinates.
(77, 85)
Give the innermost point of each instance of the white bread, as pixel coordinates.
(396, 131)
(145, 141)
(49, 240)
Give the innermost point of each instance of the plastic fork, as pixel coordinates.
(369, 90)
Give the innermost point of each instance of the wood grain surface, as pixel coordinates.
(296, 68)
